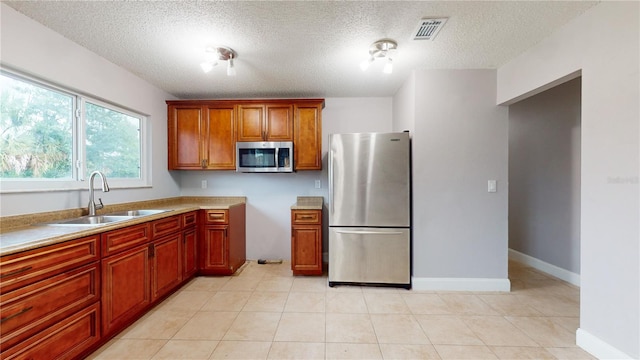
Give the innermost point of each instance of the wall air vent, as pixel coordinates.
(429, 28)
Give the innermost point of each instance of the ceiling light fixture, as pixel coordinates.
(388, 66)
(231, 70)
(213, 54)
(381, 49)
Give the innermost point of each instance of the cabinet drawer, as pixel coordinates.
(189, 219)
(122, 239)
(166, 226)
(37, 306)
(306, 217)
(24, 268)
(66, 339)
(216, 216)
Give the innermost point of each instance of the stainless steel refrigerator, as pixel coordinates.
(370, 209)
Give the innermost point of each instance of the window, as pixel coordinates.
(52, 138)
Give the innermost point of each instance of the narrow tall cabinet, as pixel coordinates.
(306, 236)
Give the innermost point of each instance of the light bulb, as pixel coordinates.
(365, 64)
(388, 67)
(231, 70)
(207, 66)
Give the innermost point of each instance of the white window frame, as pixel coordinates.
(79, 171)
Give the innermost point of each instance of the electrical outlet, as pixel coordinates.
(204, 184)
(318, 184)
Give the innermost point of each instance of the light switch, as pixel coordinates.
(318, 184)
(492, 186)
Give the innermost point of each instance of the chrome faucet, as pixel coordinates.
(105, 188)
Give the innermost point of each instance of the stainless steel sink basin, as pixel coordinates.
(137, 213)
(90, 220)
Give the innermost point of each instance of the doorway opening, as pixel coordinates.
(544, 198)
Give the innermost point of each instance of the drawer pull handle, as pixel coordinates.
(16, 314)
(15, 272)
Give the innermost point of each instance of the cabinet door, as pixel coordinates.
(279, 123)
(307, 143)
(166, 270)
(215, 245)
(189, 253)
(220, 144)
(250, 123)
(185, 129)
(33, 308)
(126, 287)
(306, 250)
(67, 339)
(24, 268)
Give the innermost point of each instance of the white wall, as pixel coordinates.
(544, 176)
(459, 143)
(404, 106)
(604, 43)
(270, 196)
(30, 47)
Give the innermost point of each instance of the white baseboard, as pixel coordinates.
(597, 347)
(543, 266)
(460, 284)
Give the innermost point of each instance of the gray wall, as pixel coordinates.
(608, 58)
(544, 176)
(459, 143)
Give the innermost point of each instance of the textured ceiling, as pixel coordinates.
(297, 49)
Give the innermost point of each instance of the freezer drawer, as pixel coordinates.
(377, 256)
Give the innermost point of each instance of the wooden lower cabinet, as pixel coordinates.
(68, 338)
(306, 242)
(189, 253)
(223, 243)
(215, 242)
(64, 301)
(17, 270)
(126, 284)
(35, 307)
(50, 301)
(166, 265)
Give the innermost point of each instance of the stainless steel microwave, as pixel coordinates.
(264, 156)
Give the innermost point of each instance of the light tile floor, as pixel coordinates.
(266, 313)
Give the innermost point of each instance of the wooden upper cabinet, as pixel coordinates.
(279, 122)
(201, 136)
(265, 122)
(307, 143)
(220, 148)
(185, 131)
(203, 133)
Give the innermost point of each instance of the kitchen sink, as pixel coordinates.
(137, 213)
(90, 220)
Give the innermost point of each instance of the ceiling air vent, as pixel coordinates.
(429, 28)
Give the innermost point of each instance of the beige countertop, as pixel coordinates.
(26, 232)
(308, 203)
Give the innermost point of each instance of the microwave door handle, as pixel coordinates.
(277, 159)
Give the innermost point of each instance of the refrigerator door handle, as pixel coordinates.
(331, 181)
(362, 232)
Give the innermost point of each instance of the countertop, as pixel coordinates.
(308, 203)
(26, 232)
